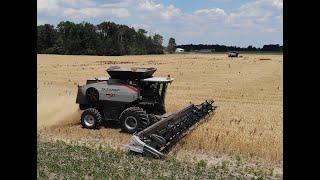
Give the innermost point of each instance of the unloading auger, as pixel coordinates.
(157, 139)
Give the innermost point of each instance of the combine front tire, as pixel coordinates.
(91, 119)
(134, 119)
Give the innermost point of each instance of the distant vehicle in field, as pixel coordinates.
(179, 50)
(233, 54)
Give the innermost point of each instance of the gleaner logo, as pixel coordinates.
(110, 89)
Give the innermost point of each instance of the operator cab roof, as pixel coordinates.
(158, 79)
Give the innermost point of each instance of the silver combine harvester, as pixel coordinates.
(136, 99)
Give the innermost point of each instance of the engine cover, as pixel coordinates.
(109, 92)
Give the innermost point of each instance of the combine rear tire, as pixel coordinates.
(133, 119)
(91, 119)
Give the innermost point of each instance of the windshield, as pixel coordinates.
(153, 90)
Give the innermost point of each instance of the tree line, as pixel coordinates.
(223, 48)
(106, 38)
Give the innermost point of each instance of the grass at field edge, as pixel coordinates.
(58, 160)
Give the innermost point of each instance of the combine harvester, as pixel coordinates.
(136, 99)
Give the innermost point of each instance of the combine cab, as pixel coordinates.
(136, 99)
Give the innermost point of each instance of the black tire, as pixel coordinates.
(92, 95)
(91, 119)
(133, 119)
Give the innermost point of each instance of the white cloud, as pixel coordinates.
(75, 3)
(277, 3)
(150, 6)
(214, 11)
(82, 9)
(255, 13)
(260, 5)
(214, 14)
(49, 6)
(165, 12)
(96, 12)
(254, 16)
(119, 4)
(170, 12)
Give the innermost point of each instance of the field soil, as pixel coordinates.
(248, 92)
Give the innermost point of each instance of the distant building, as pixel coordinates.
(179, 50)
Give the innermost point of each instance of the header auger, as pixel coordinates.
(136, 99)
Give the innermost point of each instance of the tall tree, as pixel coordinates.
(157, 40)
(89, 39)
(106, 38)
(70, 36)
(46, 37)
(171, 45)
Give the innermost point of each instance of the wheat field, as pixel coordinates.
(248, 92)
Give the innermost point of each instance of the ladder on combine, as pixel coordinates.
(157, 139)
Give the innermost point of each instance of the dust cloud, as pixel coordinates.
(57, 111)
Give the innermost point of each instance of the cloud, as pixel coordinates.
(170, 12)
(278, 4)
(48, 6)
(248, 19)
(255, 14)
(150, 6)
(82, 9)
(79, 3)
(210, 15)
(165, 12)
(213, 12)
(84, 13)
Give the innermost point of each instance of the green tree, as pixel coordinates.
(158, 39)
(46, 37)
(142, 31)
(157, 44)
(70, 36)
(171, 45)
(106, 38)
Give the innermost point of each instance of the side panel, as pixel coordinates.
(113, 92)
(81, 99)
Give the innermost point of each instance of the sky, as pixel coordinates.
(225, 22)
